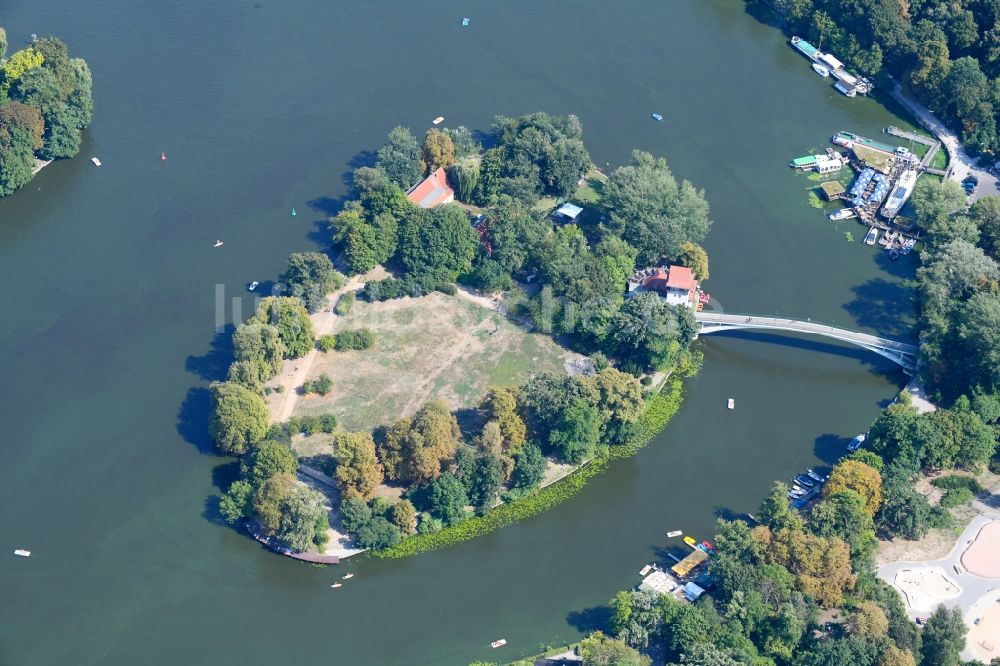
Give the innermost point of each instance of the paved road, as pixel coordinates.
(973, 587)
(962, 163)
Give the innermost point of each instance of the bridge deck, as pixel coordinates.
(723, 321)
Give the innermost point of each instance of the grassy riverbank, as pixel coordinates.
(657, 412)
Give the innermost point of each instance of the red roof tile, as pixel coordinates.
(432, 191)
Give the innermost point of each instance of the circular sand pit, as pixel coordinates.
(981, 557)
(983, 619)
(926, 587)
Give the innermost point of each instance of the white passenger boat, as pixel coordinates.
(871, 236)
(96, 161)
(842, 214)
(438, 120)
(20, 552)
(731, 404)
(821, 70)
(674, 533)
(499, 643)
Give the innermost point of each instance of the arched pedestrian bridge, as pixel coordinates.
(900, 353)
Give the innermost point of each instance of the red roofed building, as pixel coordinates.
(432, 190)
(676, 284)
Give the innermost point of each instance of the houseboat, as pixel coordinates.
(900, 193)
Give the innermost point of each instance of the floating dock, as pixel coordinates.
(689, 563)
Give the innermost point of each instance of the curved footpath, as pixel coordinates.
(961, 164)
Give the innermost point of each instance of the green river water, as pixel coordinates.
(108, 336)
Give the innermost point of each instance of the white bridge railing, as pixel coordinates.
(900, 353)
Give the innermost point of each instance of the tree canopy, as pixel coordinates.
(239, 417)
(289, 316)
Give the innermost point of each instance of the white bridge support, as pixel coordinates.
(901, 353)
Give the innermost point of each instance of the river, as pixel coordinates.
(107, 340)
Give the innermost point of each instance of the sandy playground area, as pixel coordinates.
(926, 587)
(983, 617)
(982, 557)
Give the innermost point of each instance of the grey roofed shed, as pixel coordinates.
(569, 210)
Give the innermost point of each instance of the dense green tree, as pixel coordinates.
(354, 513)
(651, 211)
(488, 277)
(706, 654)
(775, 511)
(415, 449)
(500, 404)
(366, 244)
(237, 503)
(529, 467)
(239, 417)
(894, 432)
(463, 141)
(267, 459)
(404, 516)
(838, 651)
(437, 150)
(944, 637)
(821, 565)
(934, 204)
(304, 518)
(600, 650)
(268, 499)
(247, 374)
(448, 498)
(694, 257)
(21, 131)
(904, 512)
(438, 242)
(290, 318)
(636, 618)
(955, 438)
(649, 332)
(986, 214)
(378, 533)
(618, 400)
(3, 44)
(851, 475)
(19, 64)
(576, 431)
(399, 158)
(843, 515)
(260, 345)
(512, 232)
(358, 469)
(487, 480)
(464, 178)
(979, 333)
(310, 277)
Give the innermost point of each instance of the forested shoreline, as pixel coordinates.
(45, 103)
(946, 51)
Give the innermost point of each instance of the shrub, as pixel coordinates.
(327, 343)
(646, 380)
(346, 303)
(956, 497)
(362, 338)
(940, 518)
(328, 423)
(322, 386)
(958, 482)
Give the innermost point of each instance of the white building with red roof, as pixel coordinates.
(676, 284)
(432, 190)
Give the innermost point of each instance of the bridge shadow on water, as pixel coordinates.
(875, 362)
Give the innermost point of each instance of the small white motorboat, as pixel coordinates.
(856, 443)
(674, 533)
(337, 585)
(871, 236)
(20, 552)
(438, 120)
(465, 23)
(657, 117)
(731, 404)
(821, 70)
(842, 214)
(499, 643)
(348, 576)
(645, 570)
(253, 285)
(217, 243)
(96, 161)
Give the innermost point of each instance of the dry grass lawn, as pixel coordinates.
(435, 346)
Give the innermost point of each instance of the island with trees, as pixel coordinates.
(441, 471)
(45, 104)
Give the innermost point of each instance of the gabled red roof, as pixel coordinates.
(680, 277)
(432, 191)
